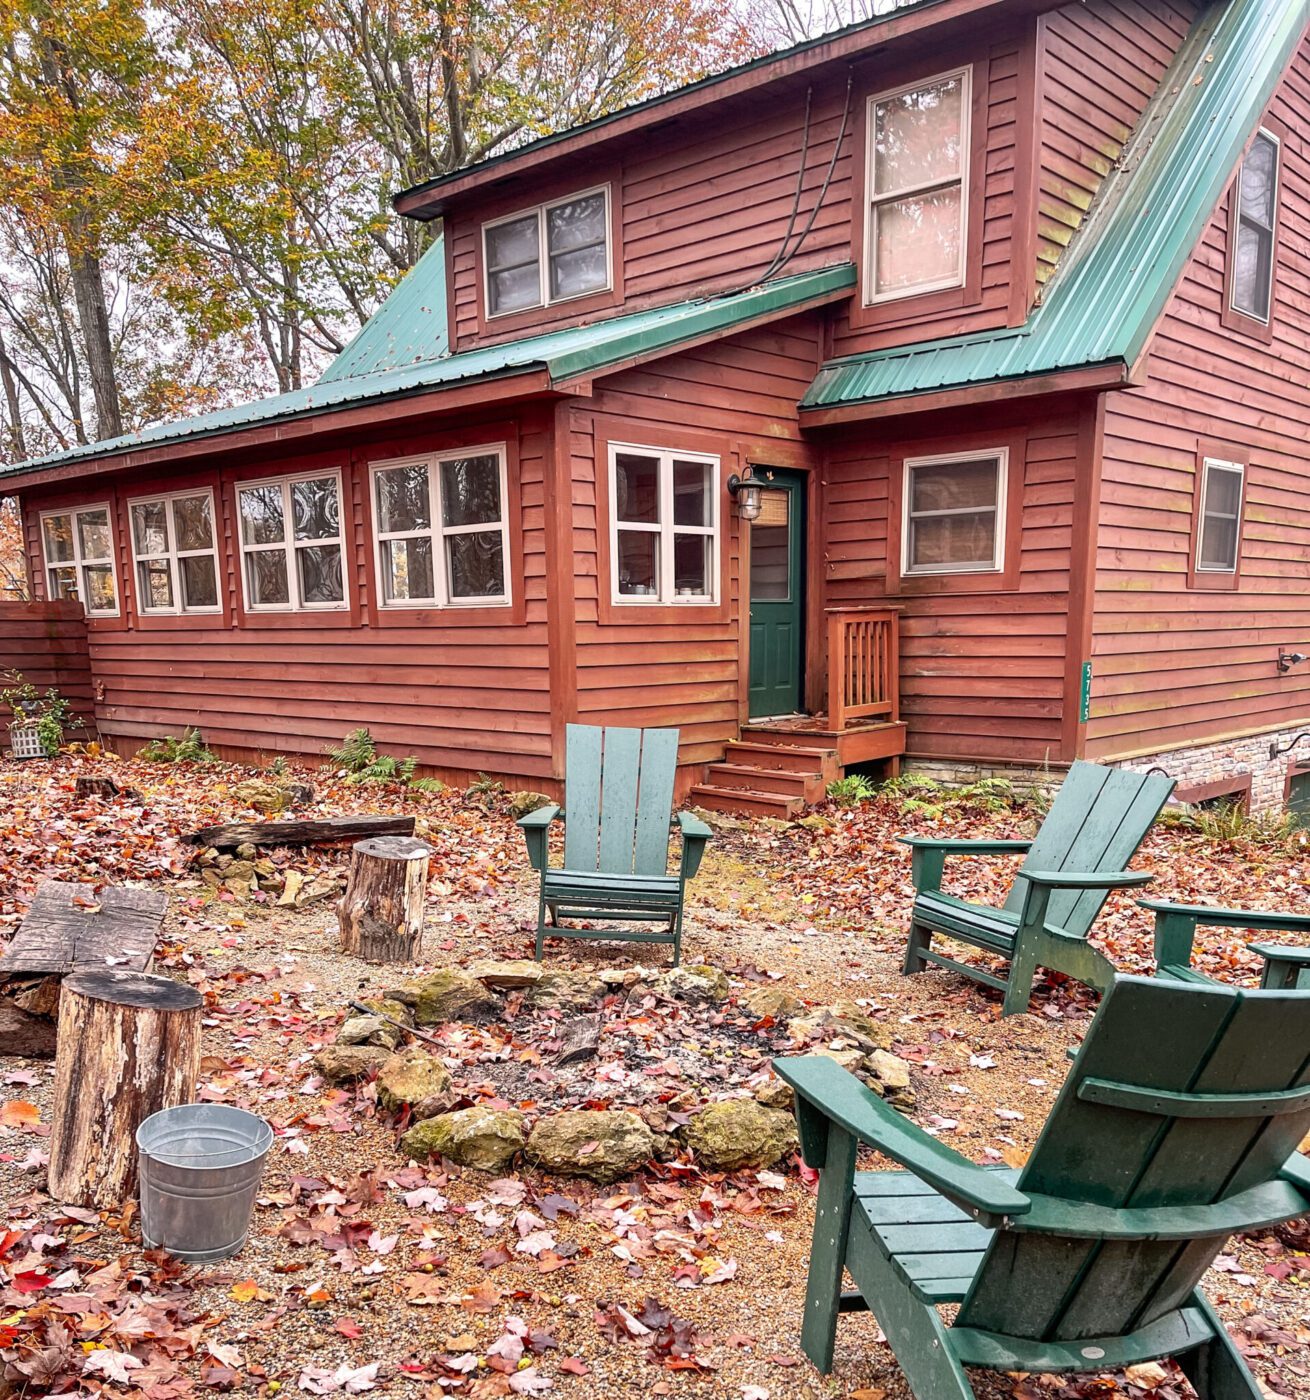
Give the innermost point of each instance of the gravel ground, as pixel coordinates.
(277, 987)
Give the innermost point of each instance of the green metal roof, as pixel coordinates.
(1119, 270)
(410, 326)
(566, 354)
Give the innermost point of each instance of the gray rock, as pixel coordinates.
(843, 1020)
(389, 1006)
(693, 982)
(892, 1071)
(776, 1093)
(603, 1145)
(342, 1064)
(507, 976)
(263, 797)
(369, 1030)
(415, 1077)
(765, 1001)
(521, 803)
(740, 1133)
(447, 995)
(484, 1138)
(564, 991)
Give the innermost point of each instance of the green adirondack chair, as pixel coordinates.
(1094, 827)
(617, 827)
(1176, 1127)
(1175, 933)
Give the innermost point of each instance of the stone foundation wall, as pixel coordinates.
(1234, 760)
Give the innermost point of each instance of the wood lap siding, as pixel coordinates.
(681, 672)
(46, 643)
(1102, 62)
(1173, 665)
(464, 697)
(982, 673)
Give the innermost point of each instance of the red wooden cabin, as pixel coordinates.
(998, 308)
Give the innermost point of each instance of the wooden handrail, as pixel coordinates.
(864, 679)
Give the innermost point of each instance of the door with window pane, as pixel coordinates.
(777, 595)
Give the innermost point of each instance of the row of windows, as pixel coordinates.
(441, 537)
(441, 533)
(915, 216)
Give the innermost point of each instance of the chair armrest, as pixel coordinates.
(1275, 952)
(694, 836)
(827, 1094)
(964, 845)
(1230, 918)
(1115, 880)
(930, 856)
(535, 832)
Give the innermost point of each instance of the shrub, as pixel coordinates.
(51, 713)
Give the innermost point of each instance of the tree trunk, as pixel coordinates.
(382, 912)
(129, 1045)
(308, 831)
(16, 449)
(95, 787)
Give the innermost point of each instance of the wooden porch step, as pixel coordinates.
(744, 802)
(807, 786)
(791, 758)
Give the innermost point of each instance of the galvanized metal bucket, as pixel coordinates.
(199, 1167)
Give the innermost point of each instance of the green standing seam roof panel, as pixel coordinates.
(410, 326)
(1121, 266)
(565, 354)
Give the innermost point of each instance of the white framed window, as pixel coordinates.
(79, 558)
(916, 175)
(1220, 532)
(554, 252)
(292, 545)
(954, 513)
(175, 551)
(1255, 226)
(441, 529)
(664, 525)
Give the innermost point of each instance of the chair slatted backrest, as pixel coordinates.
(1114, 1145)
(618, 799)
(1098, 819)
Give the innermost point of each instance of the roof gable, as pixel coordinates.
(1114, 281)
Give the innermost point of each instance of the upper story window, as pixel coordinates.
(954, 513)
(442, 530)
(918, 159)
(1254, 224)
(1217, 539)
(79, 558)
(553, 253)
(664, 540)
(173, 546)
(291, 543)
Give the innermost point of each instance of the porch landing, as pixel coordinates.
(780, 766)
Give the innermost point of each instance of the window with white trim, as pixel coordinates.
(79, 558)
(442, 530)
(1255, 225)
(174, 548)
(1217, 540)
(292, 543)
(553, 253)
(664, 529)
(917, 182)
(954, 513)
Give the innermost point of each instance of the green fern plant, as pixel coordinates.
(850, 790)
(190, 748)
(1231, 823)
(359, 756)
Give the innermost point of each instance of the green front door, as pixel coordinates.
(1298, 796)
(777, 590)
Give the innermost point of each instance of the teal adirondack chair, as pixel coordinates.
(1096, 823)
(1175, 933)
(1177, 1126)
(618, 804)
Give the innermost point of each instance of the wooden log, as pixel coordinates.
(129, 1045)
(307, 832)
(382, 911)
(579, 1040)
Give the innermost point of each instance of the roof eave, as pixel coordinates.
(430, 199)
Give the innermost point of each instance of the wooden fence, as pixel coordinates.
(864, 679)
(46, 644)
